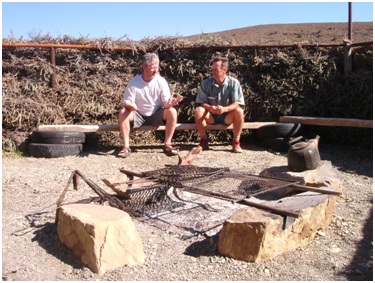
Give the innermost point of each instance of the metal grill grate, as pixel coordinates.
(195, 199)
(237, 185)
(174, 174)
(214, 182)
(151, 199)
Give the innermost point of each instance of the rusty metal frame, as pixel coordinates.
(118, 203)
(103, 195)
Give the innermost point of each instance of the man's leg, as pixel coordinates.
(170, 117)
(236, 118)
(202, 118)
(125, 117)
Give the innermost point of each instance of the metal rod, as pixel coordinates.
(113, 201)
(314, 189)
(270, 208)
(142, 180)
(268, 190)
(136, 174)
(243, 201)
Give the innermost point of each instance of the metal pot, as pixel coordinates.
(303, 155)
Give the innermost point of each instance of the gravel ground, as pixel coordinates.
(31, 249)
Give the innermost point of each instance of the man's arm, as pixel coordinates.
(130, 105)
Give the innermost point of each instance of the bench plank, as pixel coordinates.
(114, 127)
(339, 122)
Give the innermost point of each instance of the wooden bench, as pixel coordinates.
(321, 121)
(113, 128)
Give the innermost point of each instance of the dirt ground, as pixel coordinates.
(31, 249)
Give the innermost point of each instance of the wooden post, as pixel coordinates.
(254, 71)
(350, 21)
(53, 65)
(348, 42)
(255, 82)
(347, 57)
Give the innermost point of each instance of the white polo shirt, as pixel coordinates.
(148, 96)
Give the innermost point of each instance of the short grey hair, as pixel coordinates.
(150, 57)
(224, 61)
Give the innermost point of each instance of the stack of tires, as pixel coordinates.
(52, 144)
(277, 136)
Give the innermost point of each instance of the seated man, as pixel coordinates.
(220, 98)
(148, 101)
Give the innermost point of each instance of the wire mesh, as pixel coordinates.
(237, 186)
(189, 214)
(188, 197)
(175, 174)
(152, 199)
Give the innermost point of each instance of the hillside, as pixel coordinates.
(292, 33)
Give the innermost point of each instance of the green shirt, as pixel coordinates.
(229, 92)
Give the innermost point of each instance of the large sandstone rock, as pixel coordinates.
(102, 237)
(254, 235)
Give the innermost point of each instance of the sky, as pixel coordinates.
(139, 20)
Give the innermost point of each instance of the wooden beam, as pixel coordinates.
(115, 127)
(318, 121)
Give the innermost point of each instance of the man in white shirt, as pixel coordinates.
(148, 101)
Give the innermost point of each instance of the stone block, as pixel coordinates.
(254, 235)
(243, 234)
(102, 237)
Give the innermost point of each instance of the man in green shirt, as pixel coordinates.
(219, 100)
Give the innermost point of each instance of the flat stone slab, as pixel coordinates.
(324, 175)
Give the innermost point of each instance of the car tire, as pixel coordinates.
(47, 150)
(57, 137)
(279, 130)
(280, 144)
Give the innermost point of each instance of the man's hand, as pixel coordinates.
(218, 109)
(174, 100)
(130, 105)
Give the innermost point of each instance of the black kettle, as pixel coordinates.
(303, 155)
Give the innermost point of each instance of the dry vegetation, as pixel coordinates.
(276, 81)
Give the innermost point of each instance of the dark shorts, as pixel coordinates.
(154, 120)
(219, 118)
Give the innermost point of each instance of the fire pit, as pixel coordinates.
(189, 200)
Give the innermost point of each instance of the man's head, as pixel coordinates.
(150, 66)
(219, 68)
